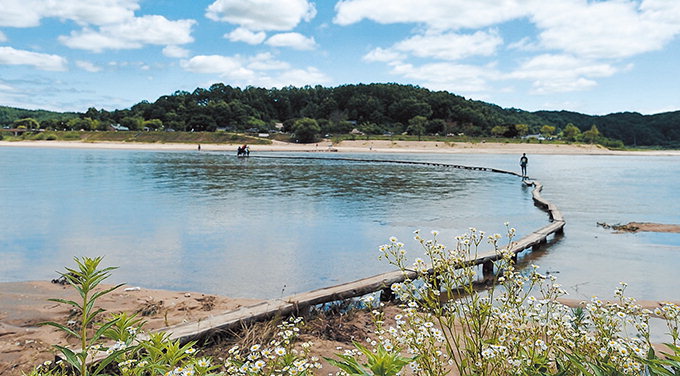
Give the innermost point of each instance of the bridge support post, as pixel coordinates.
(386, 295)
(487, 269)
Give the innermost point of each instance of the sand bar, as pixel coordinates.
(358, 146)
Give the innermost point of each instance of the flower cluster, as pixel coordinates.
(278, 357)
(516, 326)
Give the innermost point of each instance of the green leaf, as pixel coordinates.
(71, 357)
(101, 330)
(69, 302)
(100, 293)
(352, 367)
(61, 327)
(106, 361)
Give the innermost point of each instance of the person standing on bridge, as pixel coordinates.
(523, 163)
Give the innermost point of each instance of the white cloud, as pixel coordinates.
(383, 55)
(3, 37)
(524, 44)
(449, 76)
(88, 66)
(224, 66)
(29, 13)
(134, 33)
(451, 46)
(258, 15)
(561, 73)
(436, 14)
(293, 40)
(265, 61)
(4, 87)
(606, 29)
(576, 42)
(175, 51)
(259, 70)
(11, 56)
(244, 35)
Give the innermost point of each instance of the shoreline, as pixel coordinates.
(23, 305)
(358, 146)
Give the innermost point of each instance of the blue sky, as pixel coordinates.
(595, 57)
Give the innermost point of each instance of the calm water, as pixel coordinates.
(264, 228)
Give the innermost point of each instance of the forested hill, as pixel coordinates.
(372, 109)
(630, 127)
(10, 114)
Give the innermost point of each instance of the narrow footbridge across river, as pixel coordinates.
(297, 303)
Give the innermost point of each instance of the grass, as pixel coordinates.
(144, 137)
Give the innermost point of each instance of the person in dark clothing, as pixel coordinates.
(523, 163)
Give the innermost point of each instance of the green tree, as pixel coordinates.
(202, 123)
(52, 124)
(571, 132)
(522, 129)
(306, 130)
(547, 130)
(436, 126)
(591, 135)
(132, 123)
(416, 126)
(153, 124)
(370, 128)
(409, 108)
(258, 124)
(28, 123)
(499, 130)
(85, 124)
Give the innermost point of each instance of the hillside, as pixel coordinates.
(10, 114)
(370, 108)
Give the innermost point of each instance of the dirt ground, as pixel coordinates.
(23, 305)
(25, 344)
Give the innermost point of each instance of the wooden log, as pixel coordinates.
(351, 289)
(230, 321)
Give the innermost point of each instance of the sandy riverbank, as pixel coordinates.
(357, 146)
(23, 305)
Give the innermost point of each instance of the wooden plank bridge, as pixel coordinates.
(298, 303)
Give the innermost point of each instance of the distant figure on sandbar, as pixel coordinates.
(243, 151)
(199, 147)
(523, 163)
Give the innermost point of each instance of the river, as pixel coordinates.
(264, 228)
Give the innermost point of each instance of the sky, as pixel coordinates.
(594, 57)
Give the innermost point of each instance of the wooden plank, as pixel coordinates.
(351, 289)
(230, 320)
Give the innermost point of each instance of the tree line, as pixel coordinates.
(368, 108)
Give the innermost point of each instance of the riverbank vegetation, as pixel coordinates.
(444, 325)
(374, 109)
(145, 137)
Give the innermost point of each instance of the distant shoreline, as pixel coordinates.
(358, 146)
